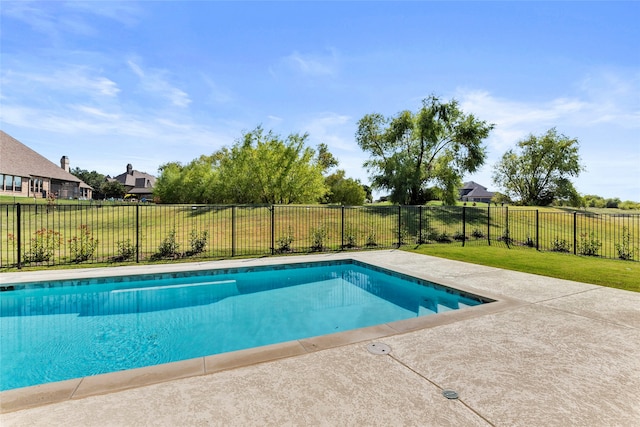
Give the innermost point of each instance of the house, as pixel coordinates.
(25, 173)
(138, 184)
(474, 192)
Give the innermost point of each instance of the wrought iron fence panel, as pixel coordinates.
(38, 234)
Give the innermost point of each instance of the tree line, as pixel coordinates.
(414, 156)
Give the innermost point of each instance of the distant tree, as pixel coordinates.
(538, 174)
(594, 201)
(169, 186)
(263, 168)
(92, 179)
(344, 191)
(500, 198)
(438, 145)
(368, 193)
(613, 202)
(191, 183)
(113, 189)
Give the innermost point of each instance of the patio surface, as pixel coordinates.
(550, 352)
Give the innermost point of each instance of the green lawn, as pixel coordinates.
(598, 271)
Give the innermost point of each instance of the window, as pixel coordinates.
(1, 181)
(8, 182)
(18, 184)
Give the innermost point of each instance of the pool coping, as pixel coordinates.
(44, 394)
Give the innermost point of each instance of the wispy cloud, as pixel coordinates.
(55, 19)
(156, 82)
(75, 79)
(310, 64)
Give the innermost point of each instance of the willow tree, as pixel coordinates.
(262, 167)
(413, 152)
(538, 172)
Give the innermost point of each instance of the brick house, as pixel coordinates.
(474, 192)
(25, 173)
(138, 184)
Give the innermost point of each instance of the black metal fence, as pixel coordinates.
(36, 234)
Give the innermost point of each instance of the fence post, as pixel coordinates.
(575, 237)
(233, 231)
(342, 231)
(420, 224)
(273, 229)
(137, 233)
(399, 225)
(19, 234)
(508, 231)
(464, 224)
(537, 231)
(489, 224)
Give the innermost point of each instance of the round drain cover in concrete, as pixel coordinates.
(378, 348)
(450, 394)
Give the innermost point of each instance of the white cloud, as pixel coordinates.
(75, 79)
(156, 82)
(335, 130)
(310, 64)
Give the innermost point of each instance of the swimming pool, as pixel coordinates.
(53, 331)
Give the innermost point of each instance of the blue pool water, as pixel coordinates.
(60, 330)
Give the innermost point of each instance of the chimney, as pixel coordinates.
(129, 169)
(64, 163)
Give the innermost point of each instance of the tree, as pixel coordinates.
(191, 183)
(92, 179)
(113, 189)
(344, 191)
(539, 173)
(438, 145)
(263, 168)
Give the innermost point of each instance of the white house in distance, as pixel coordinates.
(474, 192)
(25, 173)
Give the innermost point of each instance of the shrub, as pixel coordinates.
(588, 244)
(506, 237)
(198, 242)
(126, 250)
(284, 242)
(458, 236)
(477, 234)
(318, 237)
(625, 249)
(371, 240)
(442, 238)
(530, 242)
(559, 245)
(83, 246)
(350, 240)
(169, 247)
(43, 245)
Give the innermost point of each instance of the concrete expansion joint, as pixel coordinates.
(446, 393)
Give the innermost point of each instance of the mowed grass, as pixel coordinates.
(598, 271)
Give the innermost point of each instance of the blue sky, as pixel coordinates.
(111, 83)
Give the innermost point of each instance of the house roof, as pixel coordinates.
(129, 179)
(479, 191)
(470, 185)
(20, 160)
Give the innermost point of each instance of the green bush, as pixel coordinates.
(560, 245)
(625, 249)
(198, 242)
(284, 242)
(169, 247)
(588, 244)
(84, 245)
(318, 237)
(126, 250)
(43, 245)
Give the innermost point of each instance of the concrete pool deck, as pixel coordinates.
(549, 352)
